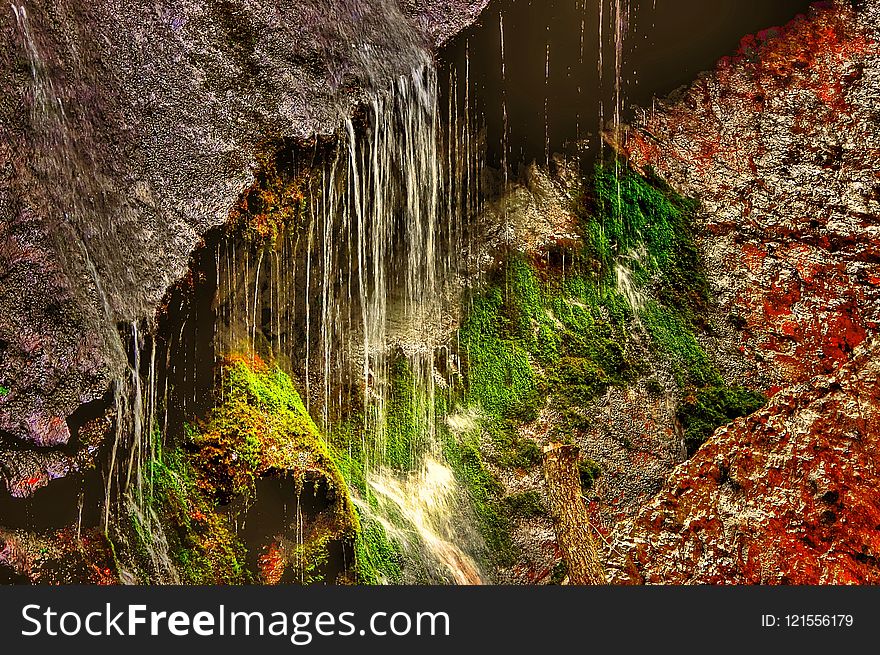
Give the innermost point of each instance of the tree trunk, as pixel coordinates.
(573, 531)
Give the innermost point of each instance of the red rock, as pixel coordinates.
(777, 143)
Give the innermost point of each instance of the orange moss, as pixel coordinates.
(273, 201)
(272, 564)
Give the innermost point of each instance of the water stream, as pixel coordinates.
(370, 276)
(368, 282)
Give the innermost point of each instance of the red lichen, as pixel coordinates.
(272, 564)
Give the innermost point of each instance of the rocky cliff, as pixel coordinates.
(780, 144)
(128, 130)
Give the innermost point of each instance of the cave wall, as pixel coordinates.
(128, 130)
(780, 145)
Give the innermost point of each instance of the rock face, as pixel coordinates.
(780, 144)
(128, 130)
(785, 496)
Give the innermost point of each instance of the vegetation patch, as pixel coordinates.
(485, 491)
(201, 538)
(641, 223)
(259, 428)
(378, 560)
(526, 505)
(274, 201)
(710, 408)
(588, 471)
(540, 332)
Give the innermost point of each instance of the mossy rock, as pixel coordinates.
(711, 408)
(259, 430)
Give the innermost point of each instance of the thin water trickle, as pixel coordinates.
(382, 248)
(57, 160)
(663, 47)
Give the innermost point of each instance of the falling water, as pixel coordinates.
(405, 259)
(621, 24)
(67, 176)
(372, 278)
(427, 501)
(627, 285)
(67, 171)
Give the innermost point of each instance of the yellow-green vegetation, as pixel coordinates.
(377, 559)
(485, 491)
(201, 539)
(260, 425)
(540, 332)
(675, 339)
(404, 420)
(525, 505)
(258, 428)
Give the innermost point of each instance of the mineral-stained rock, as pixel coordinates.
(780, 144)
(127, 130)
(785, 496)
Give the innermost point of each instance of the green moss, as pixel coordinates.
(526, 505)
(579, 379)
(700, 415)
(641, 222)
(527, 454)
(259, 427)
(524, 339)
(201, 538)
(405, 428)
(499, 373)
(674, 337)
(485, 491)
(560, 572)
(589, 471)
(644, 222)
(4, 391)
(377, 559)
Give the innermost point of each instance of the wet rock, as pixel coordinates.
(785, 496)
(779, 145)
(128, 130)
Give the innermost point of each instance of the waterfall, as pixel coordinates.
(369, 276)
(406, 259)
(369, 280)
(82, 231)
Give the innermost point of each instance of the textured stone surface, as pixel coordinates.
(781, 145)
(166, 106)
(785, 496)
